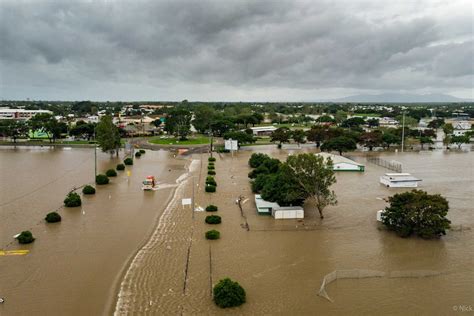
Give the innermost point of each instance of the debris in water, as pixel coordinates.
(168, 247)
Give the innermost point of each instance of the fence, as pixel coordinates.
(391, 165)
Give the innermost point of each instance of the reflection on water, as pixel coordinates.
(281, 264)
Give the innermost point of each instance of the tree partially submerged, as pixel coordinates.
(340, 144)
(72, 200)
(417, 212)
(314, 176)
(228, 293)
(108, 135)
(25, 237)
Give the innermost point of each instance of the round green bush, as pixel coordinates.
(72, 200)
(211, 159)
(128, 161)
(26, 237)
(211, 167)
(211, 208)
(142, 151)
(101, 179)
(213, 219)
(53, 217)
(211, 164)
(210, 188)
(111, 173)
(211, 172)
(120, 167)
(88, 189)
(138, 154)
(213, 234)
(211, 181)
(228, 293)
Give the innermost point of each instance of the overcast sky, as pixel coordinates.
(234, 50)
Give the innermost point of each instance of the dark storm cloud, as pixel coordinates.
(240, 46)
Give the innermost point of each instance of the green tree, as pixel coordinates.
(203, 117)
(228, 293)
(14, 129)
(425, 140)
(281, 135)
(108, 135)
(340, 144)
(178, 123)
(390, 138)
(314, 176)
(83, 130)
(353, 122)
(316, 134)
(436, 123)
(241, 137)
(447, 140)
(417, 212)
(298, 136)
(373, 122)
(459, 140)
(372, 139)
(448, 128)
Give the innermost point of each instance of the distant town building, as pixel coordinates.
(263, 130)
(460, 128)
(341, 163)
(19, 114)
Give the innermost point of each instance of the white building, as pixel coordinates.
(288, 212)
(460, 128)
(277, 211)
(341, 163)
(263, 130)
(399, 180)
(19, 114)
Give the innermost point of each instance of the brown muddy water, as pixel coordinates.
(75, 267)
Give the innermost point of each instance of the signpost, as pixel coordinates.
(231, 145)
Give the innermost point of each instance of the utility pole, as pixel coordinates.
(192, 205)
(403, 131)
(95, 156)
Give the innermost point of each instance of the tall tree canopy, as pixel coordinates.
(108, 135)
(178, 123)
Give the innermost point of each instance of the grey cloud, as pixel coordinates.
(245, 46)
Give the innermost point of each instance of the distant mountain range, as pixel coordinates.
(400, 98)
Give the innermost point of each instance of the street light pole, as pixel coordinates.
(403, 131)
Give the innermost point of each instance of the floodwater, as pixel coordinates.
(73, 266)
(116, 259)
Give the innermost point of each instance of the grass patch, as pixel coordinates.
(196, 140)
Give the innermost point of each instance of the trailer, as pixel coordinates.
(288, 212)
(399, 180)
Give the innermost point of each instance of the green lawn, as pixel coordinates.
(197, 140)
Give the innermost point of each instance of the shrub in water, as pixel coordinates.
(211, 172)
(26, 237)
(213, 234)
(211, 159)
(101, 179)
(128, 161)
(120, 167)
(142, 151)
(138, 154)
(210, 188)
(228, 293)
(211, 181)
(211, 167)
(211, 164)
(53, 217)
(88, 189)
(72, 200)
(211, 208)
(213, 219)
(111, 173)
